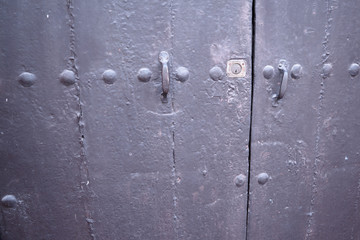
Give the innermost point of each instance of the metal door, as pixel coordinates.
(305, 146)
(96, 145)
(95, 150)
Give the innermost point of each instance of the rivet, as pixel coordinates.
(354, 69)
(240, 180)
(262, 178)
(296, 71)
(326, 70)
(67, 77)
(27, 79)
(268, 72)
(216, 73)
(109, 76)
(9, 201)
(144, 74)
(182, 74)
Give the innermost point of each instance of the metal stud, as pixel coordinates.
(67, 77)
(240, 180)
(144, 75)
(109, 76)
(354, 69)
(268, 72)
(9, 201)
(216, 73)
(326, 70)
(27, 79)
(262, 178)
(182, 74)
(296, 71)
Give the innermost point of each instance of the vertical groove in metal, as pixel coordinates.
(84, 172)
(172, 99)
(319, 121)
(253, 37)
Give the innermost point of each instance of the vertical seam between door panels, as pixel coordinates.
(253, 36)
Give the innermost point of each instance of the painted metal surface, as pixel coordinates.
(101, 140)
(40, 183)
(211, 125)
(162, 166)
(128, 135)
(306, 142)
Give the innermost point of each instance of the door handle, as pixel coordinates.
(284, 75)
(164, 59)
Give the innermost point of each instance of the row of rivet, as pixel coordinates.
(27, 79)
(67, 77)
(109, 76)
(241, 179)
(296, 70)
(181, 74)
(10, 201)
(353, 70)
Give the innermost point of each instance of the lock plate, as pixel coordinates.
(236, 68)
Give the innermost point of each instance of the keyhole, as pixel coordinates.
(236, 68)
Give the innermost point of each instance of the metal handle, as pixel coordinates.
(284, 79)
(164, 59)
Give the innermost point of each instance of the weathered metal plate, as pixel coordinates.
(128, 126)
(306, 142)
(211, 124)
(39, 130)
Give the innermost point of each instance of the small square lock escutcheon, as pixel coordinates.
(236, 68)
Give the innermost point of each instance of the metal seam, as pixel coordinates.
(84, 172)
(253, 38)
(317, 159)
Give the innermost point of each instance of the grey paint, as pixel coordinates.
(127, 124)
(92, 149)
(158, 167)
(306, 142)
(39, 132)
(211, 125)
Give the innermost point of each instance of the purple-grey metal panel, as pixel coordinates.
(39, 130)
(306, 142)
(127, 123)
(211, 117)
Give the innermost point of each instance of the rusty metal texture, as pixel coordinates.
(306, 142)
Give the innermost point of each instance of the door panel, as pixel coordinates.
(338, 180)
(99, 152)
(305, 142)
(127, 124)
(39, 136)
(212, 118)
(158, 166)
